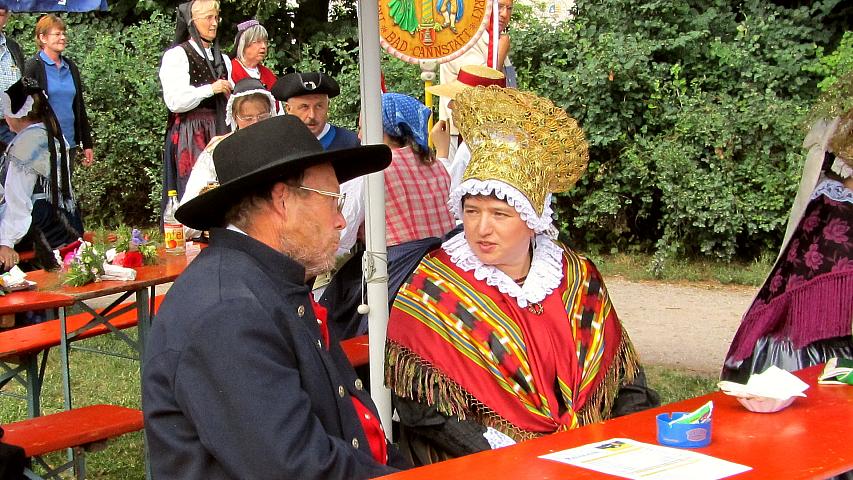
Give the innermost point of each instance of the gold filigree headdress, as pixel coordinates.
(521, 140)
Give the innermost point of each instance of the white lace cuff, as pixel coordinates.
(545, 275)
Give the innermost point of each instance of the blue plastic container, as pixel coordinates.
(688, 435)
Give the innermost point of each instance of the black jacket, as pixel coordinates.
(236, 383)
(35, 68)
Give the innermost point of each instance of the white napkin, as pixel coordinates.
(772, 383)
(116, 272)
(14, 276)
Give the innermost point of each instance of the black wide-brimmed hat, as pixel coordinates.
(267, 150)
(304, 83)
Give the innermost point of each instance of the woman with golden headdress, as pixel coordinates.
(503, 334)
(802, 314)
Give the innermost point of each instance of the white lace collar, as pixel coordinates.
(834, 190)
(545, 275)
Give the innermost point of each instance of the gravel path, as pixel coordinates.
(688, 326)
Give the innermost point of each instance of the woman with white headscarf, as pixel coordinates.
(38, 210)
(248, 104)
(802, 314)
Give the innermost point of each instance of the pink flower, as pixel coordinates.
(843, 264)
(794, 281)
(69, 257)
(811, 222)
(813, 258)
(792, 250)
(836, 231)
(776, 282)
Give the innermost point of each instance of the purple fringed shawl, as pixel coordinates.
(809, 293)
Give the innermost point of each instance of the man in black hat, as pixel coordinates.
(307, 95)
(241, 379)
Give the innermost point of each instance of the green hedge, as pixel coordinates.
(693, 111)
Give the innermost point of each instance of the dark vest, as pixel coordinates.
(199, 74)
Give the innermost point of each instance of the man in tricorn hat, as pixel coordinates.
(307, 95)
(243, 381)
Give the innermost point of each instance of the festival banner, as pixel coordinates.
(437, 30)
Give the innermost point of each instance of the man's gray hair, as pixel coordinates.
(252, 34)
(242, 213)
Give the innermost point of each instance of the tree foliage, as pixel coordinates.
(692, 109)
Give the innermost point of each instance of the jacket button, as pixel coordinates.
(354, 443)
(341, 391)
(358, 384)
(300, 310)
(319, 345)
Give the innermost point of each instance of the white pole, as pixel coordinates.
(375, 264)
(495, 35)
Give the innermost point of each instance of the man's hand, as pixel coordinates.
(222, 86)
(8, 257)
(88, 157)
(441, 139)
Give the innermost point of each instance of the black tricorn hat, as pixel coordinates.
(304, 83)
(267, 150)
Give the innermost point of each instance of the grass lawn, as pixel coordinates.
(640, 267)
(105, 379)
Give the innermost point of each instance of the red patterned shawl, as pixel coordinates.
(462, 345)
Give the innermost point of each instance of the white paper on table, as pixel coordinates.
(628, 458)
(772, 383)
(116, 272)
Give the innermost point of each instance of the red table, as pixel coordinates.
(808, 440)
(32, 300)
(166, 270)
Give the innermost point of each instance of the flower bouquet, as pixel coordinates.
(84, 265)
(133, 249)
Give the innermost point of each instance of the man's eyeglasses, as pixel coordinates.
(57, 34)
(255, 118)
(341, 197)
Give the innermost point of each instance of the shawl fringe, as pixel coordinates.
(623, 370)
(410, 376)
(792, 315)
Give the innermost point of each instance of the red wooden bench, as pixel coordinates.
(79, 429)
(22, 346)
(357, 350)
